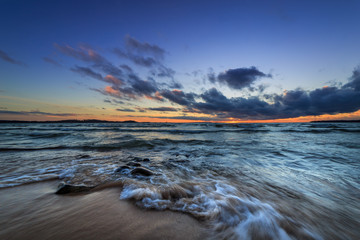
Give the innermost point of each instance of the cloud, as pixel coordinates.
(354, 80)
(125, 110)
(163, 109)
(238, 78)
(85, 71)
(143, 48)
(89, 55)
(178, 96)
(145, 55)
(51, 61)
(139, 60)
(124, 82)
(143, 87)
(289, 104)
(4, 56)
(38, 113)
(113, 80)
(205, 119)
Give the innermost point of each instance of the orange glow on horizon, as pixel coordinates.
(341, 116)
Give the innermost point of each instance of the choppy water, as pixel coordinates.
(245, 181)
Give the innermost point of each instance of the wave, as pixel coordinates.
(324, 130)
(129, 144)
(229, 214)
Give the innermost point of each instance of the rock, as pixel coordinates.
(141, 171)
(119, 169)
(137, 159)
(64, 188)
(134, 164)
(83, 156)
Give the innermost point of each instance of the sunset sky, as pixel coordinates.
(223, 61)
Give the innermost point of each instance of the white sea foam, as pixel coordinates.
(229, 215)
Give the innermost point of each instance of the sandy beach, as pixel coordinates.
(33, 211)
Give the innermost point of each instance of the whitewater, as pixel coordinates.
(243, 181)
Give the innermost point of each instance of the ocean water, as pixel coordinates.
(243, 181)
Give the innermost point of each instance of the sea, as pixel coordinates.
(242, 181)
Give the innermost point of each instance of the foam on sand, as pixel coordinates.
(33, 211)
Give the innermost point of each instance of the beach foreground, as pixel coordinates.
(33, 211)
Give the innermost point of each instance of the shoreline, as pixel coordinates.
(34, 211)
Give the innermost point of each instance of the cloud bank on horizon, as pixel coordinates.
(159, 85)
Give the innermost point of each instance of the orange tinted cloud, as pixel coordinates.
(113, 80)
(110, 90)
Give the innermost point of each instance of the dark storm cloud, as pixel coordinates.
(290, 104)
(38, 113)
(294, 103)
(4, 56)
(142, 87)
(238, 78)
(179, 97)
(163, 109)
(354, 80)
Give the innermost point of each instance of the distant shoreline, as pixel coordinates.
(132, 121)
(337, 121)
(68, 121)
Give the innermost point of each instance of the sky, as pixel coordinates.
(180, 61)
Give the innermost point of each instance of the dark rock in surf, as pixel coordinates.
(137, 159)
(119, 169)
(133, 164)
(67, 188)
(141, 171)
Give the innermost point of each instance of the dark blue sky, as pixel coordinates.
(59, 53)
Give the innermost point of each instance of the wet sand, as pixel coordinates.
(33, 211)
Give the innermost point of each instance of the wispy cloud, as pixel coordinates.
(27, 113)
(4, 56)
(51, 61)
(87, 54)
(146, 55)
(85, 71)
(163, 109)
(125, 110)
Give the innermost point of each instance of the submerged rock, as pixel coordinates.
(121, 168)
(141, 171)
(137, 159)
(64, 188)
(134, 164)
